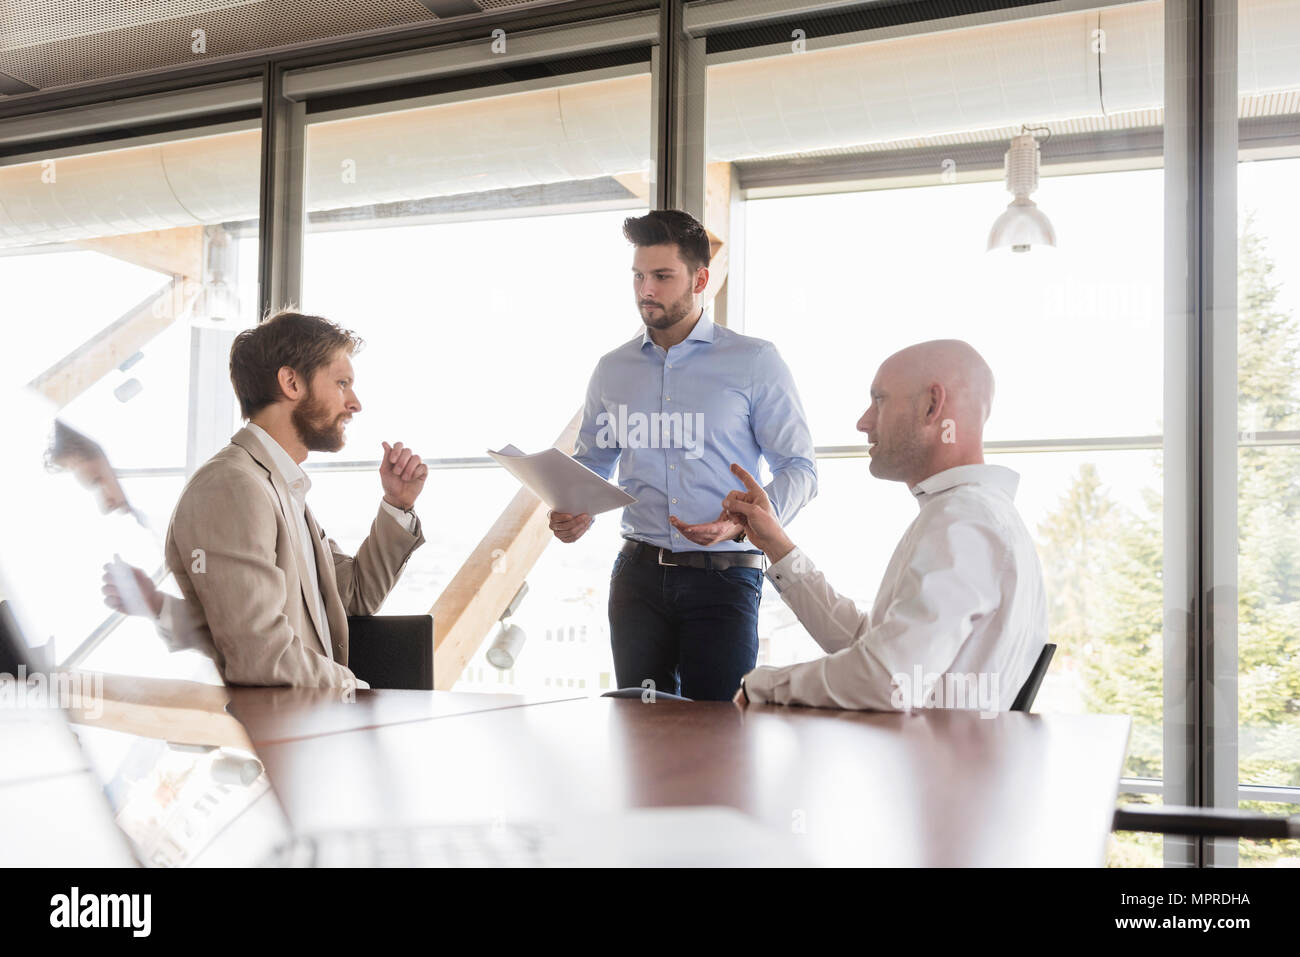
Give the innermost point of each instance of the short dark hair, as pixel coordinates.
(68, 445)
(661, 226)
(303, 343)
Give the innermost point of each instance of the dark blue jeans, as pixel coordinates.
(692, 631)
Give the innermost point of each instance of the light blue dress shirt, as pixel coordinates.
(674, 420)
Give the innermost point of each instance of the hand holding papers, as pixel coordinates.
(561, 482)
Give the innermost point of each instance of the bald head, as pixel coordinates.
(929, 403)
(955, 365)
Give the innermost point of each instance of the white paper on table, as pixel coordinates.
(563, 483)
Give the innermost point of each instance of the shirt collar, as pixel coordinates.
(997, 476)
(293, 475)
(702, 332)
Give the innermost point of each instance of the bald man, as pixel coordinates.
(961, 615)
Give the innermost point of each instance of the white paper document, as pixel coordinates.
(561, 482)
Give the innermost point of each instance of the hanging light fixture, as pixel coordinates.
(1022, 225)
(510, 639)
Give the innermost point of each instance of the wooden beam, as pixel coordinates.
(181, 712)
(638, 184)
(111, 346)
(471, 604)
(173, 252)
(717, 221)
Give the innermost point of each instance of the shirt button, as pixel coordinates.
(674, 501)
(668, 398)
(672, 466)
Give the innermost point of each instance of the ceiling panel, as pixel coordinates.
(45, 44)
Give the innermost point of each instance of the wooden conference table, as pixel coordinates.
(932, 788)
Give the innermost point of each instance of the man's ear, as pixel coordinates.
(291, 384)
(935, 398)
(701, 279)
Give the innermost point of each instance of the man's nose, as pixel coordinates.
(865, 423)
(354, 404)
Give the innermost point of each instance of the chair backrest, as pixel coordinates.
(13, 649)
(392, 651)
(1029, 690)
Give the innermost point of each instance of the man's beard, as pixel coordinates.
(906, 453)
(317, 431)
(674, 313)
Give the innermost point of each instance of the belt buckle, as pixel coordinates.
(664, 563)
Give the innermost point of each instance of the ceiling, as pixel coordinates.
(46, 44)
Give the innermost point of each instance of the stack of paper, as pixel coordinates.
(563, 484)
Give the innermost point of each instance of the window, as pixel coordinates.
(476, 245)
(868, 197)
(869, 167)
(1268, 424)
(126, 272)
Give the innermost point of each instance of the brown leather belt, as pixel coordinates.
(650, 554)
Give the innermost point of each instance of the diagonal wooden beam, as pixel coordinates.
(110, 347)
(173, 252)
(471, 604)
(717, 221)
(637, 183)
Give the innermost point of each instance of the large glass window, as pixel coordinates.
(1268, 421)
(476, 245)
(125, 273)
(868, 202)
(869, 174)
(1099, 292)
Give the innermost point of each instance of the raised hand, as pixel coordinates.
(402, 475)
(753, 509)
(129, 590)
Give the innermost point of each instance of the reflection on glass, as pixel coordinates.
(174, 788)
(123, 264)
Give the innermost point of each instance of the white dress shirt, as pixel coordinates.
(959, 620)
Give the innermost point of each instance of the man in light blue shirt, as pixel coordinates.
(673, 409)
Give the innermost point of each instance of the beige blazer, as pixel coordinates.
(232, 546)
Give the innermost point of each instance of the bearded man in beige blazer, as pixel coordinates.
(260, 578)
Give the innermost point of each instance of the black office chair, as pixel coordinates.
(392, 651)
(13, 649)
(638, 692)
(1029, 690)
